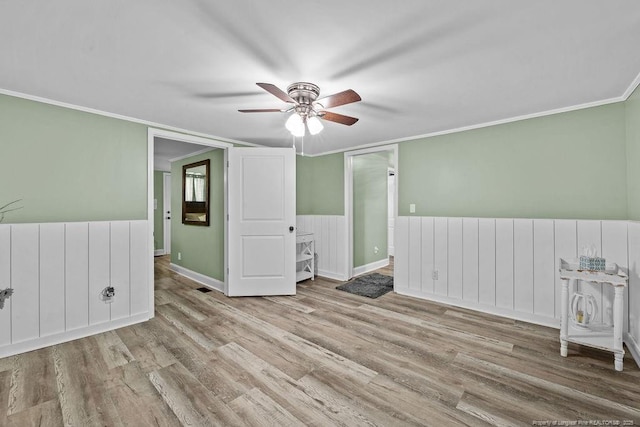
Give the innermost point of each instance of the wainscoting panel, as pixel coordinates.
(487, 261)
(51, 279)
(415, 253)
(427, 252)
(330, 233)
(470, 259)
(566, 247)
(440, 239)
(523, 265)
(632, 339)
(401, 257)
(544, 293)
(25, 304)
(120, 273)
(614, 246)
(58, 271)
(77, 275)
(139, 296)
(504, 263)
(507, 266)
(99, 262)
(454, 260)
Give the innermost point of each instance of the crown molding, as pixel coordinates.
(478, 126)
(120, 117)
(632, 87)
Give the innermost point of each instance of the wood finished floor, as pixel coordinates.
(323, 357)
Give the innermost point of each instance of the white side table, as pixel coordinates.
(601, 336)
(305, 256)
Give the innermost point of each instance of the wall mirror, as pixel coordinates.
(195, 193)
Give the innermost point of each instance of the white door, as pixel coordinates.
(166, 212)
(262, 219)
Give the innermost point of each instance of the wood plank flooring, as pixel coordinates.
(323, 357)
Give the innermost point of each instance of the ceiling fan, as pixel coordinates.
(307, 108)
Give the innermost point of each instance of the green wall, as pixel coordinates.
(158, 213)
(555, 166)
(547, 167)
(370, 207)
(320, 185)
(569, 165)
(632, 110)
(68, 165)
(202, 248)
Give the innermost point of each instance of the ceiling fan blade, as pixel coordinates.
(276, 91)
(338, 118)
(345, 97)
(263, 110)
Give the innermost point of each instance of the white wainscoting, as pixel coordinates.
(632, 334)
(58, 271)
(330, 233)
(509, 267)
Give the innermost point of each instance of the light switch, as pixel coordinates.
(155, 204)
(412, 208)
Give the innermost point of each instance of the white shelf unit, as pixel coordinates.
(305, 256)
(600, 336)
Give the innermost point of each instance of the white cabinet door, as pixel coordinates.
(262, 209)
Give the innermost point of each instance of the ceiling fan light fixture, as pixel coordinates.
(295, 125)
(314, 125)
(307, 108)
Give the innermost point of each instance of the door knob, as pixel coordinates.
(291, 229)
(168, 217)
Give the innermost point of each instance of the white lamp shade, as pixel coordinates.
(314, 125)
(295, 125)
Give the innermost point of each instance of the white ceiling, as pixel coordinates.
(167, 151)
(421, 66)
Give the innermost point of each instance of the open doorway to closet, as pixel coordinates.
(371, 208)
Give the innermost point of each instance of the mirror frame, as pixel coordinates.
(206, 164)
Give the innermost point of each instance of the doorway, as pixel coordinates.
(370, 208)
(204, 253)
(157, 138)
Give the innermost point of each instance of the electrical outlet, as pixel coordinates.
(376, 250)
(434, 274)
(179, 256)
(412, 208)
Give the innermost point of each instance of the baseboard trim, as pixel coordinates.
(49, 340)
(367, 268)
(633, 347)
(158, 252)
(207, 281)
(496, 311)
(331, 275)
